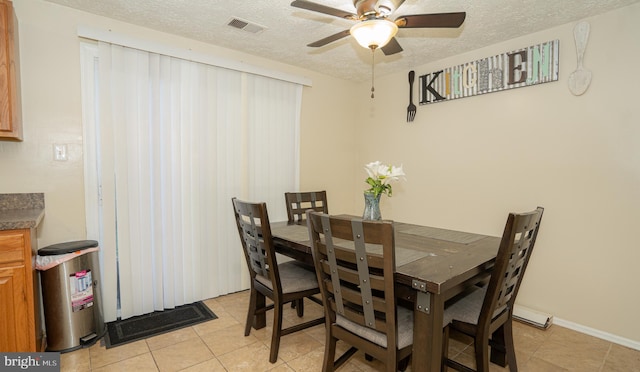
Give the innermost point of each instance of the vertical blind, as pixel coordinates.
(174, 141)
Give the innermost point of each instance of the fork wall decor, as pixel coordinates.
(411, 109)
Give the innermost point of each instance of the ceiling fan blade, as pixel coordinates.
(446, 20)
(392, 47)
(308, 5)
(329, 39)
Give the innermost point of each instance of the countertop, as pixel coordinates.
(21, 211)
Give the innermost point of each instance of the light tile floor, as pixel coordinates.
(220, 345)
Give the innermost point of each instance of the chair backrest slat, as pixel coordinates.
(377, 281)
(334, 273)
(299, 202)
(363, 272)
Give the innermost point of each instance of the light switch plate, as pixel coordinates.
(60, 152)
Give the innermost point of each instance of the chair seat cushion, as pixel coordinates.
(466, 308)
(405, 329)
(294, 277)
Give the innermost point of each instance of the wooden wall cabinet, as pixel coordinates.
(10, 107)
(18, 322)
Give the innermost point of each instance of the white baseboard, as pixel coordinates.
(542, 320)
(599, 334)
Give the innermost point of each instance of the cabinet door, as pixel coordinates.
(15, 335)
(17, 318)
(10, 110)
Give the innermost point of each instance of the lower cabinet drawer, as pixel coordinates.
(12, 247)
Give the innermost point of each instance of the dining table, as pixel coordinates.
(432, 266)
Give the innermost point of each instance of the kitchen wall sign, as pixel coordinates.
(536, 64)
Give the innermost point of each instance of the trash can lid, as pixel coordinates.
(68, 247)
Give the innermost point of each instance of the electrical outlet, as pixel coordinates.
(59, 152)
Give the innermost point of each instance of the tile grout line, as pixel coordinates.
(604, 360)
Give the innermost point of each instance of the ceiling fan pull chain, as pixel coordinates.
(373, 50)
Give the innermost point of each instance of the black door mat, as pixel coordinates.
(136, 328)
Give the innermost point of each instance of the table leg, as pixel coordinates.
(427, 336)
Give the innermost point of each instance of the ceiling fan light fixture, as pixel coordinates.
(374, 33)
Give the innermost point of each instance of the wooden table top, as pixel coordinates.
(440, 258)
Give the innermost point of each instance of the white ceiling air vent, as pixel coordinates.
(241, 24)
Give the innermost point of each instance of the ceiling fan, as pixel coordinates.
(374, 29)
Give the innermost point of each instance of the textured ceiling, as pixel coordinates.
(288, 30)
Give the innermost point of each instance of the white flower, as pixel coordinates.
(380, 176)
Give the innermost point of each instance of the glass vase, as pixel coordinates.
(371, 207)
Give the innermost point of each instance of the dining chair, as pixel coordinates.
(299, 202)
(282, 283)
(355, 265)
(486, 313)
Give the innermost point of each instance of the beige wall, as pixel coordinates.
(471, 161)
(466, 160)
(327, 153)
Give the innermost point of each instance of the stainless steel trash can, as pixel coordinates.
(70, 280)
